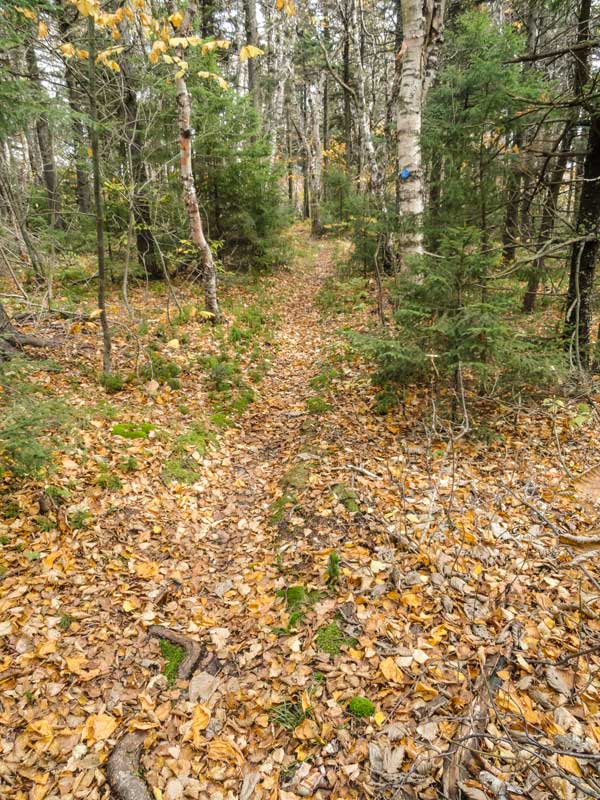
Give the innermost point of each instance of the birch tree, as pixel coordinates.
(422, 24)
(184, 114)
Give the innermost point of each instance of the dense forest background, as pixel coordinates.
(299, 344)
(457, 145)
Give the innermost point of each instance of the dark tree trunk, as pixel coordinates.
(549, 209)
(145, 241)
(75, 100)
(207, 18)
(578, 316)
(511, 219)
(252, 39)
(581, 74)
(347, 97)
(44, 138)
(98, 209)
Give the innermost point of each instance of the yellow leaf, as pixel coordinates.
(425, 691)
(67, 50)
(221, 750)
(179, 41)
(146, 569)
(87, 8)
(224, 85)
(75, 663)
(27, 12)
(99, 727)
(41, 727)
(379, 718)
(200, 720)
(97, 311)
(167, 58)
(391, 671)
(250, 51)
(176, 19)
(131, 605)
(208, 47)
(42, 30)
(307, 730)
(570, 764)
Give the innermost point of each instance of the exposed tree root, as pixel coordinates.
(193, 650)
(123, 767)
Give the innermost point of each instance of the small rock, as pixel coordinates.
(174, 789)
(222, 588)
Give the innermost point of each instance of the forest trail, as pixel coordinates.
(318, 553)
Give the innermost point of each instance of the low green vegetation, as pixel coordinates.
(173, 655)
(330, 638)
(29, 421)
(288, 714)
(132, 430)
(361, 707)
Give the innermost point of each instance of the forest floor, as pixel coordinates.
(318, 552)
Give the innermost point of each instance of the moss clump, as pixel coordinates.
(297, 477)
(173, 655)
(316, 405)
(346, 497)
(331, 639)
(132, 430)
(361, 707)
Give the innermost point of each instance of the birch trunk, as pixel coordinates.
(184, 113)
(422, 22)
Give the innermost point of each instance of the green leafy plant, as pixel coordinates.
(288, 714)
(79, 519)
(316, 405)
(112, 382)
(333, 569)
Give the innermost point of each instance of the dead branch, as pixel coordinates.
(123, 768)
(193, 650)
(485, 688)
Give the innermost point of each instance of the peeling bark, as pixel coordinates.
(184, 113)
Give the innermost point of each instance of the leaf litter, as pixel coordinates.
(460, 611)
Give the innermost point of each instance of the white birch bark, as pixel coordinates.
(422, 22)
(184, 112)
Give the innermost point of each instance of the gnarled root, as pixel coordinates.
(122, 768)
(193, 650)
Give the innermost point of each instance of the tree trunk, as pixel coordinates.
(347, 93)
(422, 23)
(99, 212)
(578, 316)
(44, 138)
(145, 241)
(74, 98)
(184, 112)
(581, 72)
(252, 39)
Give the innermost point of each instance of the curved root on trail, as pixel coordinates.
(193, 650)
(123, 767)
